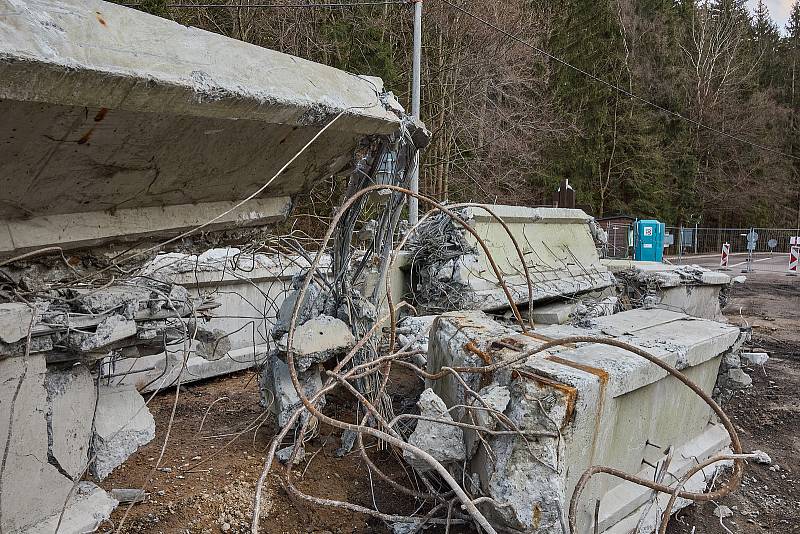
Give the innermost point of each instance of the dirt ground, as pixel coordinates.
(204, 487)
(767, 416)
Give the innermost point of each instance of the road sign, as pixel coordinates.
(752, 237)
(723, 260)
(794, 259)
(772, 243)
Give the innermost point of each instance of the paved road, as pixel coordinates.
(762, 261)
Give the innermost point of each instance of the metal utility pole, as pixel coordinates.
(413, 204)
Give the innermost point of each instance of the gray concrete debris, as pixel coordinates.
(318, 340)
(129, 495)
(32, 488)
(213, 345)
(756, 358)
(122, 425)
(313, 304)
(442, 441)
(285, 453)
(88, 508)
(87, 326)
(407, 528)
(15, 320)
(762, 457)
(113, 328)
(453, 346)
(730, 377)
(723, 511)
(496, 398)
(126, 299)
(413, 332)
(279, 392)
(738, 379)
(71, 398)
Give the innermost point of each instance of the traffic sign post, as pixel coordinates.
(752, 238)
(723, 260)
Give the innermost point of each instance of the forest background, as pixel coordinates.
(509, 123)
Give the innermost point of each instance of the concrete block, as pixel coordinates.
(318, 340)
(15, 319)
(442, 441)
(557, 245)
(71, 398)
(87, 509)
(31, 489)
(114, 103)
(278, 390)
(553, 313)
(738, 379)
(604, 403)
(755, 358)
(122, 425)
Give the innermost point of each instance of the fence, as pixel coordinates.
(687, 241)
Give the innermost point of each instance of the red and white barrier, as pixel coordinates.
(794, 259)
(726, 251)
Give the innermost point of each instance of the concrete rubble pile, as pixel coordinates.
(582, 405)
(121, 130)
(576, 405)
(687, 288)
(451, 271)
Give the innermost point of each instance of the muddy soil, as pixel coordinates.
(767, 416)
(202, 486)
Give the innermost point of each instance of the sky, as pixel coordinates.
(778, 9)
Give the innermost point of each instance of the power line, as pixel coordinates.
(615, 87)
(280, 6)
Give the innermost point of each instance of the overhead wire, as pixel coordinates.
(281, 6)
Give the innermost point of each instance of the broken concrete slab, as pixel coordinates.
(194, 94)
(451, 271)
(495, 398)
(15, 321)
(31, 489)
(755, 358)
(71, 399)
(601, 404)
(122, 425)
(318, 340)
(278, 392)
(442, 441)
(689, 289)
